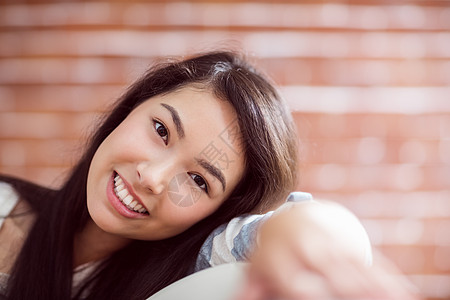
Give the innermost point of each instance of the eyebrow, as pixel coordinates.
(176, 119)
(214, 171)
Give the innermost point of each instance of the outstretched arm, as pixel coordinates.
(318, 250)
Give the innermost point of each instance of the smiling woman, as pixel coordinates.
(190, 146)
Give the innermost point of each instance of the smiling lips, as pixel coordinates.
(125, 197)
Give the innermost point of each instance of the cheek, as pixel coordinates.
(131, 134)
(124, 144)
(185, 216)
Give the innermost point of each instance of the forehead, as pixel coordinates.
(198, 107)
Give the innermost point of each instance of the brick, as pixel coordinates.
(409, 259)
(389, 125)
(437, 177)
(328, 151)
(441, 233)
(442, 259)
(412, 259)
(83, 124)
(62, 71)
(444, 128)
(424, 126)
(12, 154)
(30, 125)
(396, 100)
(44, 125)
(369, 150)
(404, 230)
(7, 100)
(48, 153)
(156, 14)
(405, 177)
(291, 71)
(415, 152)
(63, 98)
(357, 72)
(358, 178)
(379, 204)
(52, 177)
(444, 150)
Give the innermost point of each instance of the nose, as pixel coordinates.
(153, 177)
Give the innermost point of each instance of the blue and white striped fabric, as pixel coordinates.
(235, 240)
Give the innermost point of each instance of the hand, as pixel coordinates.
(318, 251)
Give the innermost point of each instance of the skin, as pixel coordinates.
(150, 151)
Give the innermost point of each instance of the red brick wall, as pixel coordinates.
(368, 83)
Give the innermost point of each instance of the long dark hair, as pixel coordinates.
(44, 267)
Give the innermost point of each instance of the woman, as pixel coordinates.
(189, 106)
(190, 146)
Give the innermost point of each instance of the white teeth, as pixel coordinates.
(133, 204)
(120, 187)
(124, 196)
(127, 200)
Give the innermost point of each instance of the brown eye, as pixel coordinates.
(162, 131)
(200, 182)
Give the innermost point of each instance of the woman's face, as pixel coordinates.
(169, 164)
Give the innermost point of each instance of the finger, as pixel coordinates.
(340, 276)
(290, 279)
(307, 285)
(349, 278)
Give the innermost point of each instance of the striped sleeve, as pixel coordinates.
(235, 240)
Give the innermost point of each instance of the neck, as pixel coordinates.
(93, 244)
